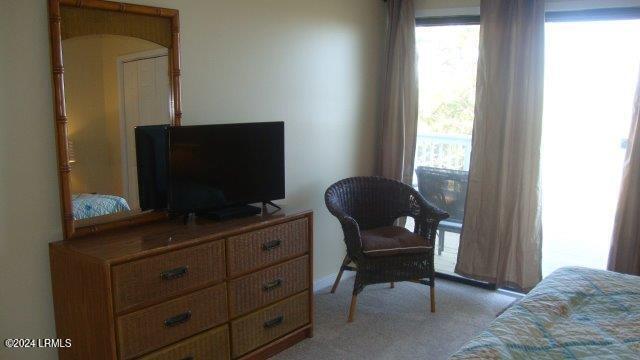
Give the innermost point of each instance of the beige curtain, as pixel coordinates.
(502, 236)
(397, 142)
(624, 255)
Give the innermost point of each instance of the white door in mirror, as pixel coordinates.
(147, 99)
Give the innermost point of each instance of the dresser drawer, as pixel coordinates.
(162, 324)
(161, 276)
(210, 345)
(269, 285)
(257, 329)
(267, 246)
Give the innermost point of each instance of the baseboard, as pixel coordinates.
(327, 281)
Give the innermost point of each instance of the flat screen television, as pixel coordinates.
(213, 167)
(152, 159)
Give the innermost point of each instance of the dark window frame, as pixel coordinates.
(604, 14)
(626, 13)
(449, 20)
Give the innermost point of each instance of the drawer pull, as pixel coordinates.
(273, 322)
(272, 285)
(174, 273)
(188, 358)
(268, 246)
(178, 319)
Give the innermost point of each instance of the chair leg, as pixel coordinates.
(432, 283)
(440, 241)
(392, 285)
(352, 308)
(432, 291)
(345, 262)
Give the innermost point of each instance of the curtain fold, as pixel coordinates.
(397, 136)
(624, 255)
(501, 241)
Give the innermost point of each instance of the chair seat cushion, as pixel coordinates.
(392, 240)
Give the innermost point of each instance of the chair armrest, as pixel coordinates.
(428, 218)
(429, 211)
(350, 229)
(352, 239)
(433, 213)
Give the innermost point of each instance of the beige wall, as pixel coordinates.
(313, 64)
(91, 88)
(29, 204)
(84, 90)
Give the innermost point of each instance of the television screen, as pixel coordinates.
(216, 166)
(152, 149)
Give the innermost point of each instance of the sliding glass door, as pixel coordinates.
(591, 70)
(447, 65)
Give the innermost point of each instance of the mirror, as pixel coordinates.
(113, 83)
(115, 67)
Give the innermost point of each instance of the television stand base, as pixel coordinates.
(230, 212)
(265, 203)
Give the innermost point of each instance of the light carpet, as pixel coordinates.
(396, 323)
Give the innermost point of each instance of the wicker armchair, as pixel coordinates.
(367, 208)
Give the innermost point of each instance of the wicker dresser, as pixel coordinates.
(205, 290)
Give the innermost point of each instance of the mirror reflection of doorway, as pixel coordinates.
(145, 93)
(97, 68)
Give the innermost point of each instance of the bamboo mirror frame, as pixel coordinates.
(155, 14)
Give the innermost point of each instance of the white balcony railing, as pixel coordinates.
(443, 151)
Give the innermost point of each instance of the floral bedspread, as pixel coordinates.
(574, 313)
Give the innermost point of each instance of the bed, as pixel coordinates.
(92, 205)
(574, 313)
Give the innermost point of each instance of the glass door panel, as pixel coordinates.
(447, 65)
(591, 70)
